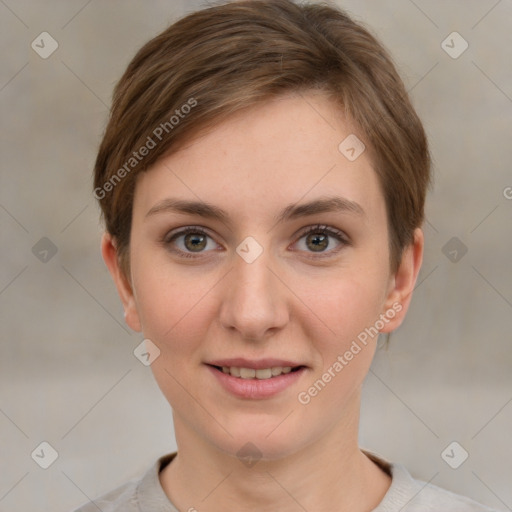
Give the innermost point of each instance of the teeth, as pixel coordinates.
(251, 373)
(264, 373)
(247, 373)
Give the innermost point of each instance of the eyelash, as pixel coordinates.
(317, 229)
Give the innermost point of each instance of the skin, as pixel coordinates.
(289, 303)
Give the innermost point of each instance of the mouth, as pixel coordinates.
(256, 374)
(256, 380)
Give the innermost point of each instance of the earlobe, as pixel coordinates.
(403, 282)
(124, 288)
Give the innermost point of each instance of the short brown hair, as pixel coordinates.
(219, 60)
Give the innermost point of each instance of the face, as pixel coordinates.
(288, 266)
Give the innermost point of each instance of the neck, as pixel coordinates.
(332, 470)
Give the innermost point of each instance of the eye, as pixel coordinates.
(194, 240)
(316, 240)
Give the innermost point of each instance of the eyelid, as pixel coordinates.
(169, 236)
(325, 228)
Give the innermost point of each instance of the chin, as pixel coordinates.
(254, 442)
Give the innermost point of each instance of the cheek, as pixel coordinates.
(345, 309)
(346, 349)
(347, 302)
(173, 307)
(175, 312)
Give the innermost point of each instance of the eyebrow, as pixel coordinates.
(290, 212)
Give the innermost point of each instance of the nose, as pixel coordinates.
(254, 300)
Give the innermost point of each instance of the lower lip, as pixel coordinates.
(256, 388)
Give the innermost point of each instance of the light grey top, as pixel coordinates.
(405, 494)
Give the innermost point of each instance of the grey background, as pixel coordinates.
(68, 375)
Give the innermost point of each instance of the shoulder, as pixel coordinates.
(123, 498)
(430, 498)
(407, 494)
(140, 494)
(411, 495)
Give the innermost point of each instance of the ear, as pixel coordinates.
(124, 288)
(402, 283)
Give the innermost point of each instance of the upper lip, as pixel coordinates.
(256, 364)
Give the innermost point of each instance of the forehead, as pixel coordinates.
(283, 150)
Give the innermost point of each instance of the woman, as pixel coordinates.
(262, 180)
